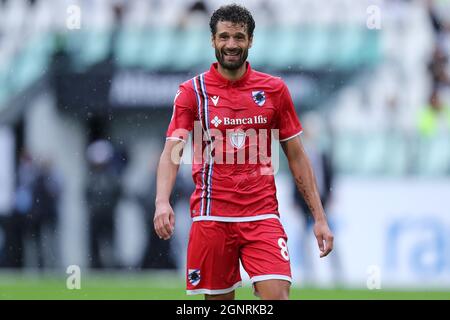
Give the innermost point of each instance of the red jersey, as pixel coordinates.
(233, 122)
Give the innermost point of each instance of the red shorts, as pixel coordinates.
(215, 249)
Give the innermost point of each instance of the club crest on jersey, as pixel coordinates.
(194, 276)
(259, 97)
(237, 139)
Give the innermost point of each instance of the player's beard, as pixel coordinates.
(242, 54)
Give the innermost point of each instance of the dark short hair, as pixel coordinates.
(235, 14)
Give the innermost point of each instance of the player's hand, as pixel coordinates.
(324, 237)
(164, 220)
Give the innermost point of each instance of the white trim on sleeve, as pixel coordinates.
(286, 139)
(219, 291)
(236, 219)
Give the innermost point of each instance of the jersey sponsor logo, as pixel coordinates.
(194, 276)
(237, 139)
(216, 121)
(259, 97)
(215, 100)
(251, 120)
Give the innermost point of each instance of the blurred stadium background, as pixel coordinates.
(83, 113)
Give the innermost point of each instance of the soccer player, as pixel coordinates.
(234, 206)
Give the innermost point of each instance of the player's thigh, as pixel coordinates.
(213, 258)
(265, 255)
(272, 289)
(226, 296)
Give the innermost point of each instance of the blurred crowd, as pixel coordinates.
(35, 224)
(35, 214)
(435, 117)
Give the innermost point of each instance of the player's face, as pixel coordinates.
(231, 43)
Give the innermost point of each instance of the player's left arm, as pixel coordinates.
(305, 180)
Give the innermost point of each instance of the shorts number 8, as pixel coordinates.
(284, 249)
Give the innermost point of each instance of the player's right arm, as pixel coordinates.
(180, 125)
(164, 219)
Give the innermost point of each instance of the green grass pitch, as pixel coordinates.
(160, 286)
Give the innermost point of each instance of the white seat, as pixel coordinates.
(42, 16)
(96, 14)
(14, 15)
(138, 12)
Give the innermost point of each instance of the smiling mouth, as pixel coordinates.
(231, 54)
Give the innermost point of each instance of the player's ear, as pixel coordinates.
(250, 42)
(212, 41)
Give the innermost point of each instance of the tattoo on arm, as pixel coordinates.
(301, 186)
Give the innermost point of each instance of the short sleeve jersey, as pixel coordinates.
(233, 123)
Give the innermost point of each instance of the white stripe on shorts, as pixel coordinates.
(270, 277)
(219, 291)
(236, 219)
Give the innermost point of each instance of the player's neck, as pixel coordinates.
(232, 75)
